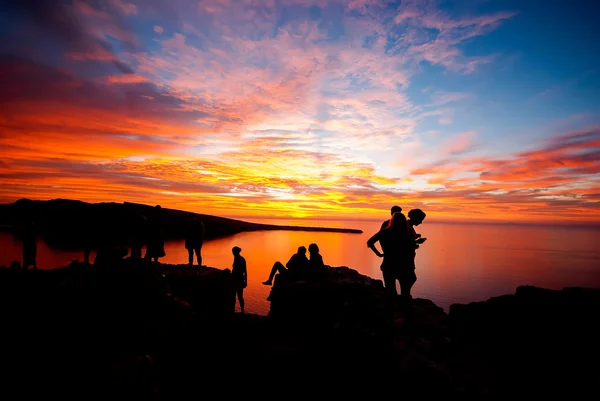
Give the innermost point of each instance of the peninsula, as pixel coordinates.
(65, 223)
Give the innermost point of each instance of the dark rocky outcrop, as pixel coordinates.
(142, 330)
(537, 341)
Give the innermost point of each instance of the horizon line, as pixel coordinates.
(440, 220)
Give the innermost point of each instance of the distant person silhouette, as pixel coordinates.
(317, 271)
(239, 275)
(194, 239)
(29, 246)
(138, 232)
(408, 276)
(156, 242)
(86, 255)
(295, 268)
(397, 245)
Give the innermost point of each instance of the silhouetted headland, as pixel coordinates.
(151, 331)
(64, 223)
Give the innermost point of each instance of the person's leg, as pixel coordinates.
(190, 256)
(407, 280)
(240, 295)
(199, 255)
(277, 267)
(389, 281)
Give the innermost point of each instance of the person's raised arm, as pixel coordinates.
(371, 244)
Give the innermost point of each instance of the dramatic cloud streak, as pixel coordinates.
(288, 107)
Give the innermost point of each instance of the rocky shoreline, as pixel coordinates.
(153, 331)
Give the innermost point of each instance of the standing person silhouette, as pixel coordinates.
(239, 275)
(397, 245)
(393, 210)
(194, 239)
(138, 230)
(408, 276)
(29, 246)
(156, 241)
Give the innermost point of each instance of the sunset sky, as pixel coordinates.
(470, 110)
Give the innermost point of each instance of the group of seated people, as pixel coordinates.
(299, 267)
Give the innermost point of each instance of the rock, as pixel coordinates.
(345, 300)
(532, 338)
(95, 325)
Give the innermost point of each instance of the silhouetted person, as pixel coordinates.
(239, 275)
(317, 269)
(138, 232)
(194, 239)
(156, 241)
(29, 246)
(409, 277)
(295, 268)
(393, 210)
(86, 254)
(398, 246)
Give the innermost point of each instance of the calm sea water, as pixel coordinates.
(459, 263)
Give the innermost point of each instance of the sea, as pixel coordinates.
(459, 262)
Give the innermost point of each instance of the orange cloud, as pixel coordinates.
(126, 79)
(235, 114)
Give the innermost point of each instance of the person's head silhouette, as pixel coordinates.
(416, 216)
(395, 209)
(398, 220)
(313, 248)
(301, 250)
(236, 250)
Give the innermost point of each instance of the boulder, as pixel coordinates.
(534, 337)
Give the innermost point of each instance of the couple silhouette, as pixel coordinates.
(299, 267)
(399, 242)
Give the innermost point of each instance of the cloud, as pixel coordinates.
(79, 28)
(126, 79)
(459, 144)
(563, 172)
(290, 107)
(124, 7)
(433, 36)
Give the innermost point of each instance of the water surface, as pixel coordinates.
(458, 263)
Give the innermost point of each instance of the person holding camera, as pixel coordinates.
(239, 275)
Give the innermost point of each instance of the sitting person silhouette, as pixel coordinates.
(295, 268)
(317, 271)
(239, 275)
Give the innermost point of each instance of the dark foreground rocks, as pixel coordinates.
(127, 329)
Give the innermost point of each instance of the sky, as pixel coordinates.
(471, 110)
